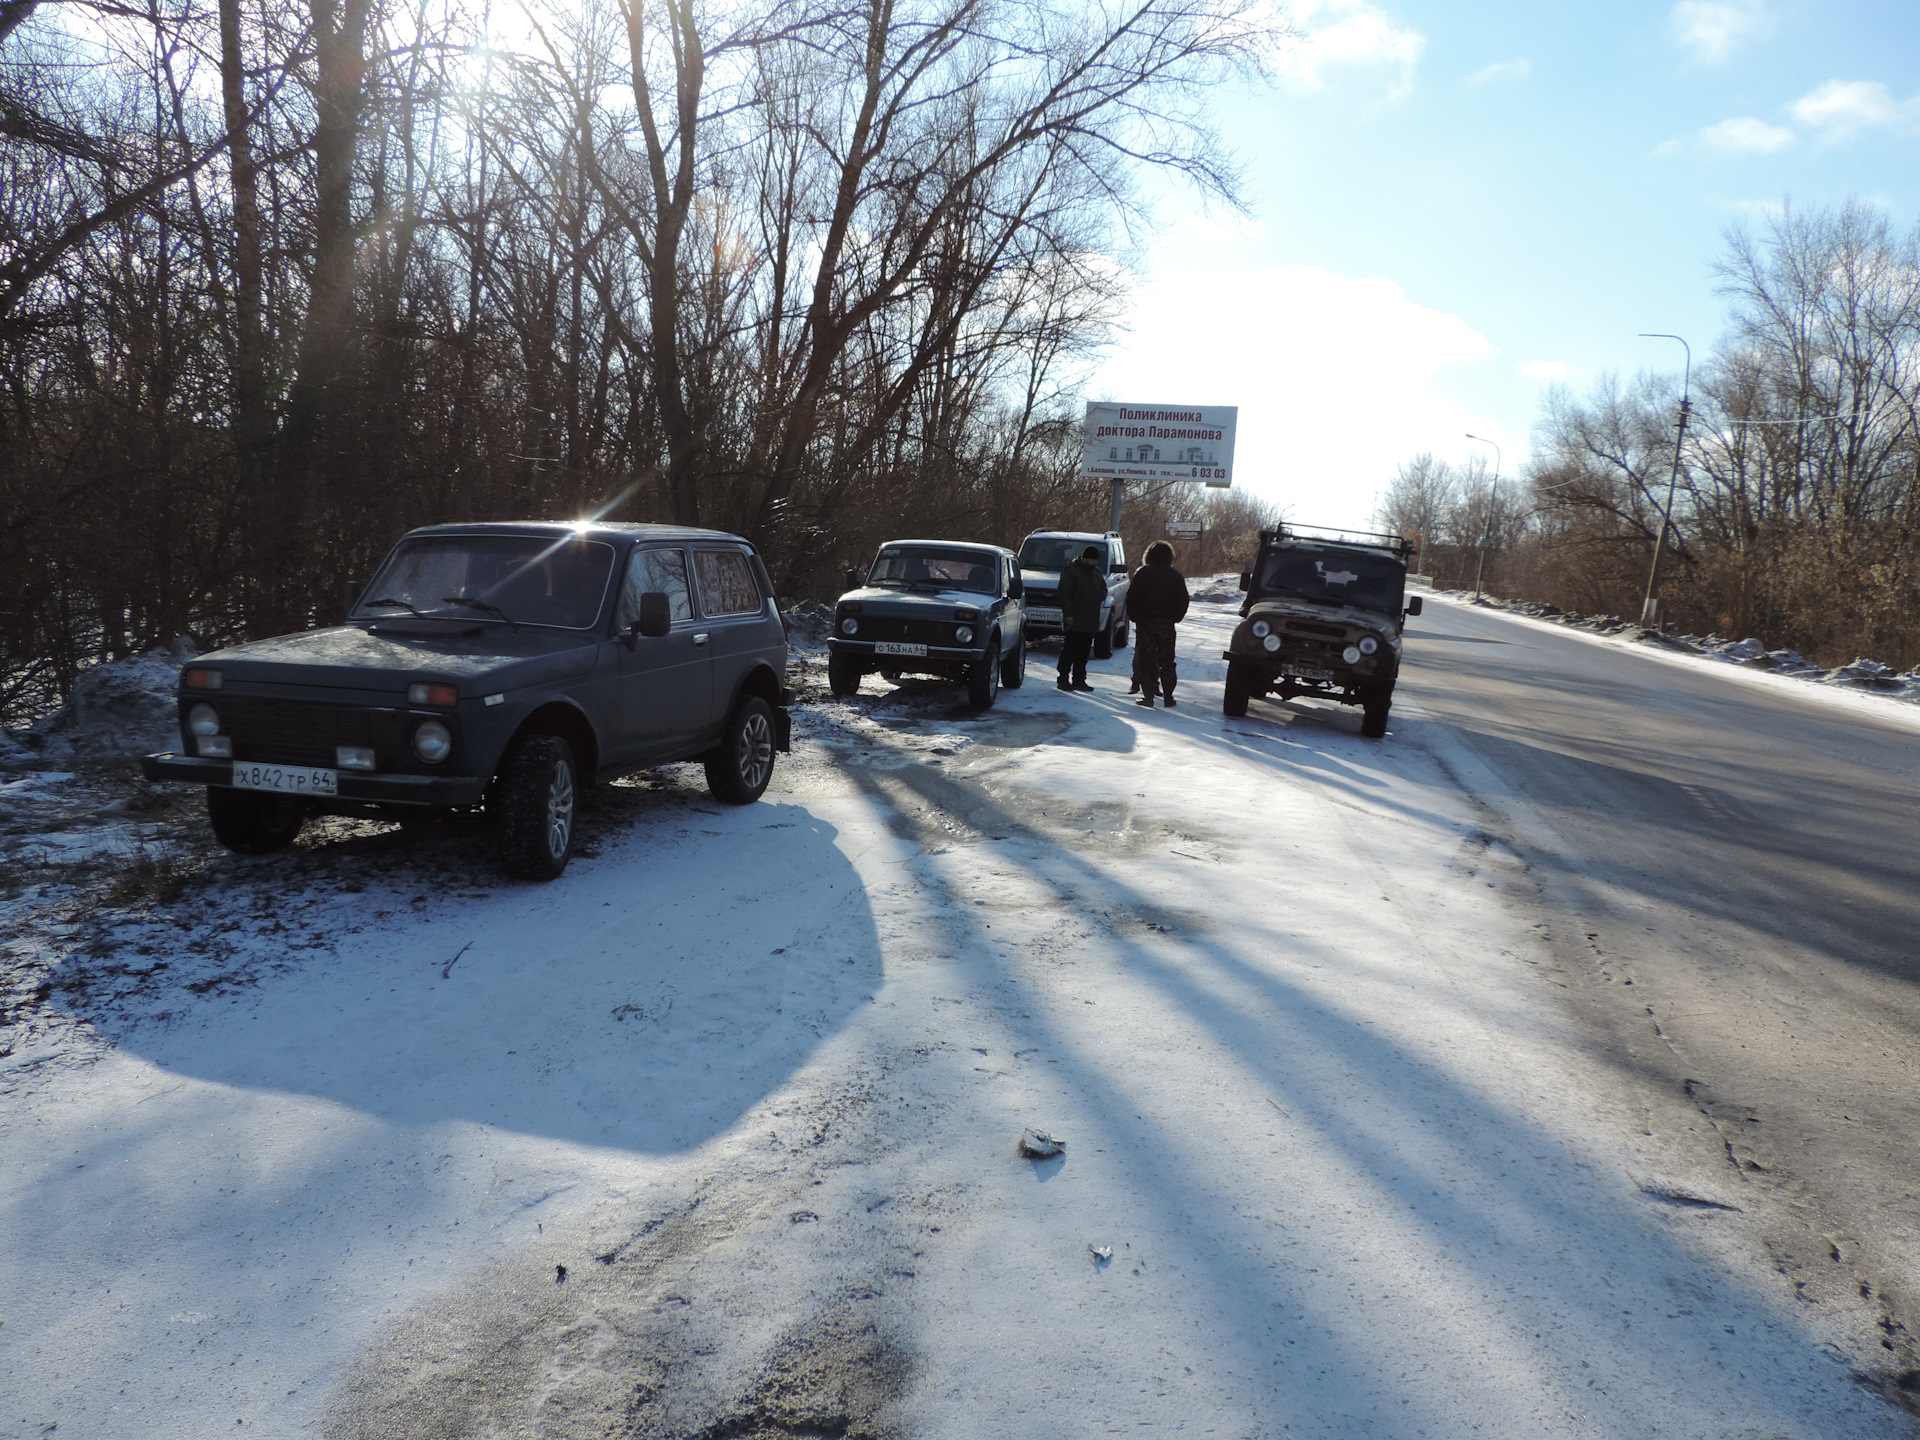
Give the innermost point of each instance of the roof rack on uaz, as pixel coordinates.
(1373, 539)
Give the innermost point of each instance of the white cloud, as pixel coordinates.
(1555, 370)
(1501, 70)
(1348, 33)
(1712, 28)
(1337, 378)
(1840, 107)
(1744, 135)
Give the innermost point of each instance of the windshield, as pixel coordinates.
(1044, 553)
(515, 579)
(936, 568)
(1347, 577)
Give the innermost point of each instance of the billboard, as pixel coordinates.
(1160, 442)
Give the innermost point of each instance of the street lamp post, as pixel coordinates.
(1493, 499)
(1650, 607)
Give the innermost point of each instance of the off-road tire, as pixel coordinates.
(1103, 642)
(843, 674)
(1239, 690)
(249, 822)
(983, 679)
(739, 767)
(1120, 632)
(1013, 669)
(1373, 713)
(536, 794)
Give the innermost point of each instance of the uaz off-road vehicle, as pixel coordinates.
(1323, 616)
(932, 607)
(497, 667)
(1044, 554)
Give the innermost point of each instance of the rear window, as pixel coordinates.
(727, 585)
(1052, 553)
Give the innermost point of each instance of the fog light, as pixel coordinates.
(215, 747)
(963, 635)
(849, 626)
(1368, 644)
(1260, 628)
(354, 757)
(1272, 642)
(203, 720)
(432, 742)
(432, 695)
(1351, 654)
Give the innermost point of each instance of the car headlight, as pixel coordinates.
(432, 741)
(1368, 644)
(1272, 642)
(203, 720)
(849, 626)
(1260, 628)
(963, 635)
(1351, 654)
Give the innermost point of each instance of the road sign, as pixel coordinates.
(1185, 529)
(1129, 442)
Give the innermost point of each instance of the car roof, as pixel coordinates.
(595, 529)
(1309, 542)
(1090, 535)
(953, 544)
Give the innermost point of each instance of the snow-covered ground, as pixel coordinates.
(717, 1134)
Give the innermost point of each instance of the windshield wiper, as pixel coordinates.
(485, 607)
(389, 600)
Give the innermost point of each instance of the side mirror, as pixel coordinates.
(1413, 605)
(1016, 587)
(656, 614)
(355, 589)
(1246, 579)
(852, 577)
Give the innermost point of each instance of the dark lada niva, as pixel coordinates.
(499, 667)
(1323, 616)
(933, 607)
(1044, 554)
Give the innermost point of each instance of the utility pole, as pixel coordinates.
(1493, 500)
(1650, 607)
(1113, 515)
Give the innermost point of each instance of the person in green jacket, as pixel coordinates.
(1083, 590)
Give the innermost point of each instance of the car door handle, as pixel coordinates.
(701, 638)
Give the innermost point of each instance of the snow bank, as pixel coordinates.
(122, 708)
(1863, 674)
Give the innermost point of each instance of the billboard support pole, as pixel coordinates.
(1113, 515)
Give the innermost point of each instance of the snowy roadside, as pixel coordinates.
(1884, 690)
(305, 1143)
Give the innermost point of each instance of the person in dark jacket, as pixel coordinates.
(1083, 590)
(1156, 603)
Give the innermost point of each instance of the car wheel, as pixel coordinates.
(1103, 642)
(1240, 687)
(983, 679)
(739, 767)
(248, 822)
(537, 793)
(1373, 714)
(843, 674)
(1120, 632)
(1013, 670)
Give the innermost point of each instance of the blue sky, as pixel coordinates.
(1456, 204)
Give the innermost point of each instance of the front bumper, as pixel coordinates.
(941, 655)
(426, 790)
(1276, 665)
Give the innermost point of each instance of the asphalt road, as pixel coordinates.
(1728, 876)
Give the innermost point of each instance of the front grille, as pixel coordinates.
(911, 632)
(302, 732)
(1316, 627)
